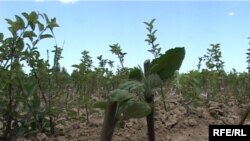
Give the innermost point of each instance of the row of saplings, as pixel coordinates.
(122, 101)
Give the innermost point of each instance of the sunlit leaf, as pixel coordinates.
(19, 21)
(40, 26)
(123, 106)
(26, 15)
(46, 18)
(119, 95)
(29, 34)
(9, 21)
(166, 65)
(130, 85)
(33, 16)
(138, 110)
(20, 45)
(154, 81)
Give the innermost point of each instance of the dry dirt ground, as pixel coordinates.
(177, 124)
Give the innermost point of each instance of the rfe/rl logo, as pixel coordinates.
(228, 132)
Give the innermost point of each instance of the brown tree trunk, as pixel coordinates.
(109, 122)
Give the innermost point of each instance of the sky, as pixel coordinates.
(94, 25)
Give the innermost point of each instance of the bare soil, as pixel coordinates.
(178, 123)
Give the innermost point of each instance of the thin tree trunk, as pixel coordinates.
(109, 122)
(149, 98)
(150, 119)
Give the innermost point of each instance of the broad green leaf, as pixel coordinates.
(154, 80)
(33, 16)
(152, 21)
(52, 24)
(32, 20)
(46, 36)
(130, 85)
(26, 15)
(119, 95)
(12, 30)
(100, 104)
(46, 18)
(122, 107)
(10, 22)
(29, 34)
(32, 25)
(13, 27)
(138, 110)
(40, 26)
(20, 45)
(166, 65)
(19, 21)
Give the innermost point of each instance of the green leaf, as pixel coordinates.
(166, 65)
(154, 81)
(46, 36)
(10, 22)
(26, 15)
(1, 37)
(46, 18)
(152, 21)
(52, 24)
(20, 45)
(12, 28)
(33, 16)
(29, 34)
(122, 107)
(40, 26)
(32, 20)
(119, 95)
(100, 104)
(130, 85)
(32, 25)
(138, 110)
(19, 21)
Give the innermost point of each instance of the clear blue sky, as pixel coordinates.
(93, 26)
